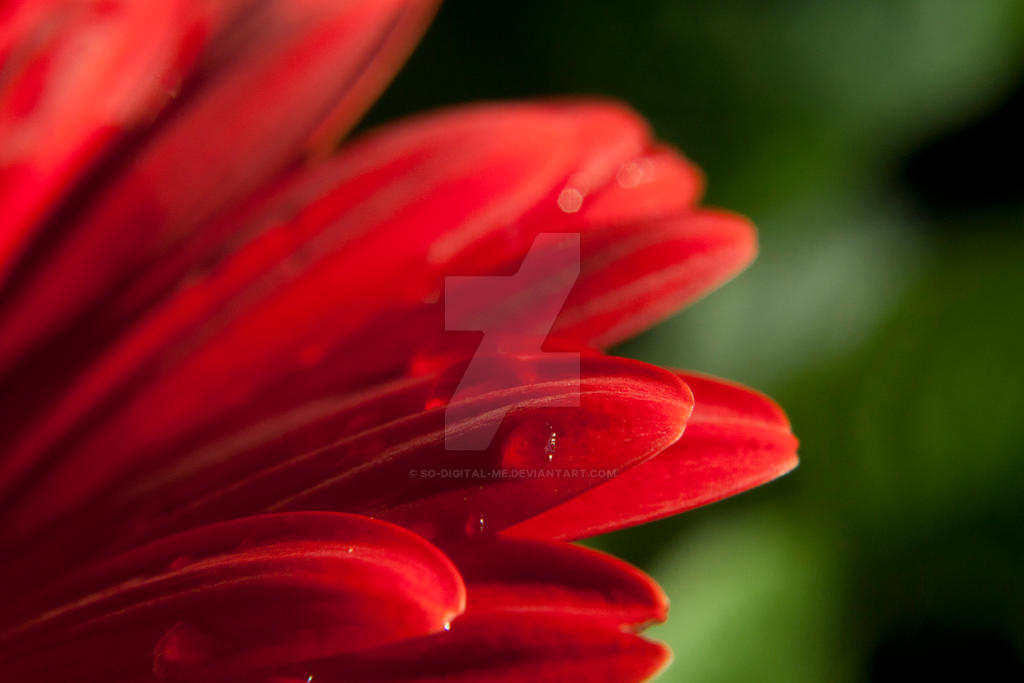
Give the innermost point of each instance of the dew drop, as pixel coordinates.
(447, 626)
(533, 445)
(628, 175)
(475, 525)
(570, 200)
(551, 446)
(634, 173)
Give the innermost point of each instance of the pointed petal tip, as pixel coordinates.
(661, 661)
(735, 440)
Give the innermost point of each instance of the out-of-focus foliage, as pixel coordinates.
(897, 548)
(753, 600)
(772, 98)
(812, 295)
(888, 321)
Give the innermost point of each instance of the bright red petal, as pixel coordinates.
(630, 276)
(372, 233)
(526, 576)
(402, 472)
(735, 440)
(636, 275)
(254, 593)
(76, 78)
(270, 80)
(654, 185)
(386, 456)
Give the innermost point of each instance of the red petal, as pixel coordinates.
(630, 276)
(512, 575)
(626, 413)
(402, 472)
(123, 511)
(264, 317)
(388, 458)
(636, 275)
(382, 239)
(735, 440)
(258, 592)
(273, 79)
(76, 77)
(655, 185)
(501, 648)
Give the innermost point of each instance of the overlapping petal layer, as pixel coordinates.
(384, 454)
(270, 76)
(261, 331)
(244, 595)
(124, 59)
(539, 577)
(351, 236)
(735, 440)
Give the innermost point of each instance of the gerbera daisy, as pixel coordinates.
(232, 399)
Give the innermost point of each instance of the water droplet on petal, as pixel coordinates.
(531, 446)
(634, 173)
(447, 626)
(628, 175)
(551, 446)
(570, 200)
(475, 525)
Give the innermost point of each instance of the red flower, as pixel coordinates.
(227, 384)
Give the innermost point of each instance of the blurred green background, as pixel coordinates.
(878, 146)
